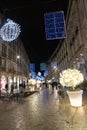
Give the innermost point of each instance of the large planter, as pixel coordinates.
(75, 98)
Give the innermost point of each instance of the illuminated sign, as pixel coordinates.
(42, 66)
(55, 25)
(32, 67)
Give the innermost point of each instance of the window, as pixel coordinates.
(4, 50)
(3, 63)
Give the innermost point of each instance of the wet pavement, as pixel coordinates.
(42, 111)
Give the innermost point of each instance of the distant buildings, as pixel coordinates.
(72, 51)
(14, 62)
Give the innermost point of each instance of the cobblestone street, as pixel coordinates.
(42, 111)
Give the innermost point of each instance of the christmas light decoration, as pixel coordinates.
(10, 31)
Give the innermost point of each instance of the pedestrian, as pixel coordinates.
(24, 86)
(59, 92)
(52, 87)
(54, 84)
(12, 88)
(6, 87)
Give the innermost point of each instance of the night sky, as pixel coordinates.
(30, 15)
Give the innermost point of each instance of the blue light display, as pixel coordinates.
(42, 66)
(55, 25)
(32, 67)
(33, 75)
(45, 73)
(10, 31)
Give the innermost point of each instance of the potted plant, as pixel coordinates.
(72, 78)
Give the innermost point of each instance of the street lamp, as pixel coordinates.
(18, 70)
(18, 60)
(55, 67)
(18, 57)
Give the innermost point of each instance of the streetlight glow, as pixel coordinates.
(18, 57)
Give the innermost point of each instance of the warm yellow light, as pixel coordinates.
(32, 82)
(75, 98)
(71, 78)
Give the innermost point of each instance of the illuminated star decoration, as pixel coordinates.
(10, 31)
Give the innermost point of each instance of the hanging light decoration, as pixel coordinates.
(10, 31)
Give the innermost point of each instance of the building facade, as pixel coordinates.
(14, 62)
(72, 53)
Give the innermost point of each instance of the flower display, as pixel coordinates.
(71, 78)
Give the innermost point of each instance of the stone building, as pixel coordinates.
(72, 51)
(14, 62)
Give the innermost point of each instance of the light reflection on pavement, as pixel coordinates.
(42, 111)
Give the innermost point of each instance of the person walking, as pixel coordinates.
(6, 87)
(54, 84)
(12, 88)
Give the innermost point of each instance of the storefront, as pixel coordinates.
(3, 82)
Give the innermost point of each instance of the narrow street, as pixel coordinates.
(42, 111)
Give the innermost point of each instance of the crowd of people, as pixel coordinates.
(56, 86)
(13, 87)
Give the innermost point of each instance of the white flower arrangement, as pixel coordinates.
(71, 78)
